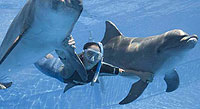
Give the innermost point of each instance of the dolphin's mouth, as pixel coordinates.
(186, 42)
(187, 37)
(189, 41)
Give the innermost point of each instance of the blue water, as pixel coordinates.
(141, 18)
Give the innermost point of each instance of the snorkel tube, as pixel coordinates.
(96, 75)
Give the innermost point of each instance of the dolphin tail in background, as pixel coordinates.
(111, 32)
(136, 90)
(172, 81)
(5, 85)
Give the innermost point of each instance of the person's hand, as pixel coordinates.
(121, 70)
(147, 76)
(49, 56)
(71, 42)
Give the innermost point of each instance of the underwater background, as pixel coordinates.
(134, 18)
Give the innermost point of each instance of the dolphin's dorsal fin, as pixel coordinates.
(111, 31)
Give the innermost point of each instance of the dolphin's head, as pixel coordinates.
(57, 14)
(61, 4)
(176, 41)
(76, 4)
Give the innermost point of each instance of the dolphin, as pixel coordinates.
(39, 28)
(158, 54)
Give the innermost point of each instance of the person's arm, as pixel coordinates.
(145, 76)
(109, 70)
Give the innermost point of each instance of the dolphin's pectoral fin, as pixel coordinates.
(16, 41)
(69, 86)
(70, 59)
(79, 67)
(19, 26)
(136, 90)
(5, 85)
(172, 81)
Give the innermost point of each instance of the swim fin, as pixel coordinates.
(5, 85)
(68, 86)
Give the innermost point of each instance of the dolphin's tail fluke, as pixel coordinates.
(5, 85)
(111, 32)
(136, 90)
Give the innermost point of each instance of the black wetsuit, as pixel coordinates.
(50, 67)
(105, 68)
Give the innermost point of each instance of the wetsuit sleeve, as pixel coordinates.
(109, 69)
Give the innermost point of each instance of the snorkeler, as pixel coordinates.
(91, 57)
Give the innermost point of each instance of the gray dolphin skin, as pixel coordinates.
(157, 54)
(39, 28)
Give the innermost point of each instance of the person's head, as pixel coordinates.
(92, 54)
